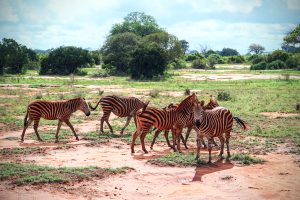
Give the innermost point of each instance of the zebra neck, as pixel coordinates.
(72, 105)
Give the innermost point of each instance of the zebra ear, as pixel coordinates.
(202, 103)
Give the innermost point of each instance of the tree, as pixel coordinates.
(229, 52)
(14, 56)
(168, 42)
(291, 42)
(65, 60)
(184, 46)
(256, 48)
(149, 60)
(138, 23)
(117, 52)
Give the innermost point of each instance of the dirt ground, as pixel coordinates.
(278, 178)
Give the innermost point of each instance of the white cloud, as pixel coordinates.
(241, 6)
(219, 34)
(7, 13)
(293, 4)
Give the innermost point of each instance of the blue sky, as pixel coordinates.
(44, 24)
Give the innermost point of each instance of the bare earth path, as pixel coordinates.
(278, 178)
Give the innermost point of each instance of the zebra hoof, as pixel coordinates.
(40, 140)
(56, 141)
(77, 139)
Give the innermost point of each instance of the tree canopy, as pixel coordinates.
(291, 42)
(256, 48)
(13, 56)
(229, 52)
(138, 23)
(65, 60)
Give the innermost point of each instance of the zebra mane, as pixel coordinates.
(186, 101)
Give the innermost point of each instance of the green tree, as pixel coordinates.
(229, 52)
(149, 60)
(117, 52)
(14, 56)
(138, 23)
(256, 48)
(291, 42)
(65, 60)
(168, 42)
(184, 46)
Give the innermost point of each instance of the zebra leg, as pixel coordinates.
(127, 122)
(72, 128)
(154, 138)
(203, 142)
(227, 137)
(57, 131)
(166, 134)
(101, 126)
(24, 129)
(35, 126)
(174, 140)
(209, 150)
(198, 146)
(182, 138)
(215, 144)
(187, 136)
(142, 138)
(134, 136)
(178, 134)
(222, 146)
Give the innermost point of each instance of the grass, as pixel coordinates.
(246, 159)
(22, 174)
(176, 159)
(27, 150)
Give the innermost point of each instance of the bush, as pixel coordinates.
(199, 64)
(154, 93)
(178, 64)
(194, 56)
(277, 55)
(100, 74)
(259, 66)
(293, 61)
(236, 59)
(149, 60)
(223, 96)
(255, 59)
(65, 61)
(277, 64)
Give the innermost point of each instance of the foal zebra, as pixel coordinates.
(121, 107)
(212, 104)
(53, 110)
(214, 123)
(164, 119)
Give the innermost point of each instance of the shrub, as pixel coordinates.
(255, 59)
(223, 96)
(187, 92)
(259, 66)
(100, 74)
(154, 93)
(277, 64)
(199, 64)
(178, 64)
(194, 56)
(293, 61)
(149, 60)
(277, 55)
(236, 59)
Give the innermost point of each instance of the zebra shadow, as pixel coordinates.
(219, 165)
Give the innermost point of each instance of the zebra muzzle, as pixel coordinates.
(197, 123)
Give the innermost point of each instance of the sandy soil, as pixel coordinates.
(279, 114)
(278, 178)
(224, 77)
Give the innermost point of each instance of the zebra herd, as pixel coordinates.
(208, 121)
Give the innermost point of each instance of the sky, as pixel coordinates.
(45, 24)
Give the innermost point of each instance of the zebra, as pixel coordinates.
(52, 110)
(163, 119)
(121, 107)
(212, 104)
(214, 123)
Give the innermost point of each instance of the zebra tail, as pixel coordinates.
(25, 118)
(242, 123)
(94, 108)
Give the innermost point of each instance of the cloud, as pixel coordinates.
(233, 6)
(293, 4)
(218, 34)
(7, 13)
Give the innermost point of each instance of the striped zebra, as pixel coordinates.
(121, 107)
(212, 104)
(214, 123)
(53, 110)
(164, 119)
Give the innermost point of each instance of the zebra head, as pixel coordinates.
(198, 111)
(211, 104)
(187, 104)
(83, 106)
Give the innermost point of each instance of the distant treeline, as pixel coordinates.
(139, 48)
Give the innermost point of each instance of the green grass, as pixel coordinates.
(22, 174)
(246, 159)
(176, 159)
(27, 150)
